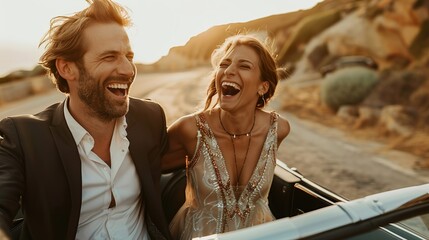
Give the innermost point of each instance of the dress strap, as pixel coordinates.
(274, 125)
(274, 116)
(202, 125)
(200, 120)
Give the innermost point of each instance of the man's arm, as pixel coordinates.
(11, 175)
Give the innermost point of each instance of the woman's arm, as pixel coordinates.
(282, 130)
(182, 139)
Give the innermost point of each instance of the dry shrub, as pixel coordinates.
(420, 100)
(318, 54)
(348, 86)
(395, 87)
(305, 103)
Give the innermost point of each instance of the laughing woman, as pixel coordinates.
(229, 149)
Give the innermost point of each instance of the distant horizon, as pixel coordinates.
(158, 25)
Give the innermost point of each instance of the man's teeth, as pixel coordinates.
(118, 86)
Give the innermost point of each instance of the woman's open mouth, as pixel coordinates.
(230, 89)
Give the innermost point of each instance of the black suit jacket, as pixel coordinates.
(40, 166)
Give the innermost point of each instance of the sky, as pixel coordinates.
(158, 25)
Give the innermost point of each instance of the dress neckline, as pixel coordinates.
(222, 161)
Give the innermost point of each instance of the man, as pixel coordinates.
(89, 167)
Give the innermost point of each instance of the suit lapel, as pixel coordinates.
(71, 161)
(139, 153)
(139, 136)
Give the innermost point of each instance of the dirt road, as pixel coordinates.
(350, 167)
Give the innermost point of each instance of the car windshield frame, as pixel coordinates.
(346, 219)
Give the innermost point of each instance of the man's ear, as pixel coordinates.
(68, 70)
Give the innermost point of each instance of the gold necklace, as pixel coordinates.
(234, 136)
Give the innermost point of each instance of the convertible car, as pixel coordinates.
(306, 210)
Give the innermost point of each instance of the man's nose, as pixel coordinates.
(126, 67)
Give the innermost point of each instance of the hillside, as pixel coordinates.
(392, 105)
(198, 49)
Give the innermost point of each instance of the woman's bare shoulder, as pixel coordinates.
(283, 127)
(184, 125)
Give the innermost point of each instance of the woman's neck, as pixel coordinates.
(237, 124)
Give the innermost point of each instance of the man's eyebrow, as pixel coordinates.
(114, 52)
(108, 52)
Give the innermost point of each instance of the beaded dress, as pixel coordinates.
(211, 206)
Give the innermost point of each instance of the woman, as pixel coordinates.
(230, 150)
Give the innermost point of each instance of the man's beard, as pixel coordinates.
(92, 92)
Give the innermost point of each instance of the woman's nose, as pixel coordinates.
(230, 70)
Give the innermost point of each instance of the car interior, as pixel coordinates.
(290, 194)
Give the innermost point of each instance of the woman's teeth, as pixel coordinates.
(230, 89)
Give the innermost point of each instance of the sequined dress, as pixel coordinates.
(211, 206)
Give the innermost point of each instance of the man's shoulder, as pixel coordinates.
(134, 100)
(29, 123)
(145, 103)
(145, 109)
(44, 115)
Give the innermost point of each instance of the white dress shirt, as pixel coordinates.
(99, 181)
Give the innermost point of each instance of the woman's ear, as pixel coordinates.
(67, 70)
(263, 88)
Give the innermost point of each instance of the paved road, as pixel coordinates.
(350, 167)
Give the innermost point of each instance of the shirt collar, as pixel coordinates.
(79, 132)
(76, 129)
